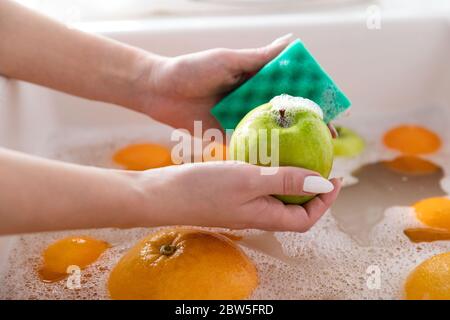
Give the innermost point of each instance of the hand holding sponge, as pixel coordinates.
(294, 72)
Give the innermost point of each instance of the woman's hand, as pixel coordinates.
(176, 91)
(231, 194)
(42, 195)
(179, 90)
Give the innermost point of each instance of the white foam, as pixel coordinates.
(324, 263)
(293, 104)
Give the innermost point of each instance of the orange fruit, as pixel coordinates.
(143, 156)
(77, 251)
(412, 140)
(427, 234)
(434, 212)
(183, 263)
(411, 165)
(430, 280)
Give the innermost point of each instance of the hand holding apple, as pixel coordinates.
(304, 140)
(229, 194)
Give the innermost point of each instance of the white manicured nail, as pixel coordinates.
(282, 38)
(316, 184)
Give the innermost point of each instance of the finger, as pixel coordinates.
(277, 216)
(320, 204)
(251, 60)
(287, 181)
(333, 130)
(303, 218)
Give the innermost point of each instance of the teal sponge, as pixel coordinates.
(295, 72)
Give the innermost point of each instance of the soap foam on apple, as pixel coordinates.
(291, 105)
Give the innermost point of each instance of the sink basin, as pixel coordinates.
(403, 66)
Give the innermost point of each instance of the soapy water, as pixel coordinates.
(361, 206)
(348, 254)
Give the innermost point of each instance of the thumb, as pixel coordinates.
(290, 181)
(251, 60)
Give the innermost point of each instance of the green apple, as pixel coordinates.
(348, 143)
(304, 139)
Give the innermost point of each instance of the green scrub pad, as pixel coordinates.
(295, 72)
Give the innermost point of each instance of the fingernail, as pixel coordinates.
(316, 184)
(282, 38)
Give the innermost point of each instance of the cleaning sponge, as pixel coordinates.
(295, 72)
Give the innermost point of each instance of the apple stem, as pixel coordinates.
(282, 121)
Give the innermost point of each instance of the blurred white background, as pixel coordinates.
(94, 10)
(88, 10)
